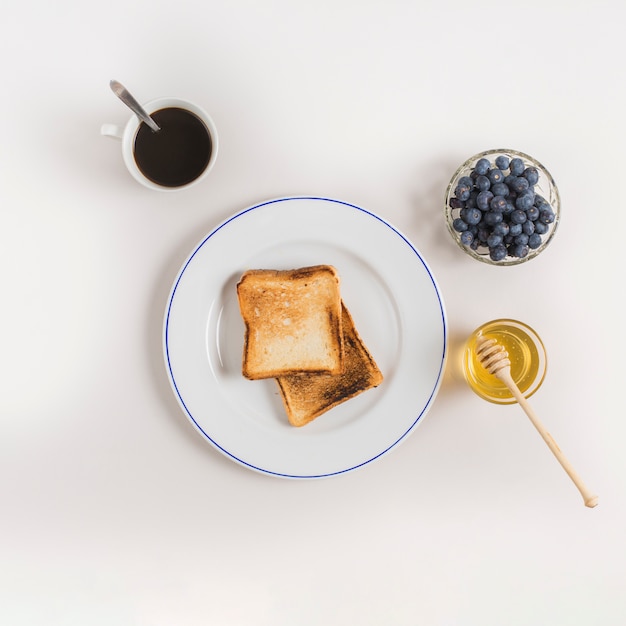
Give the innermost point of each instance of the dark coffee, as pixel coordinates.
(178, 153)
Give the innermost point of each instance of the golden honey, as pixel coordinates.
(526, 353)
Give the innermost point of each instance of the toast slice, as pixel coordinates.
(292, 321)
(307, 396)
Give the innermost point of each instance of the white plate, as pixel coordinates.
(391, 294)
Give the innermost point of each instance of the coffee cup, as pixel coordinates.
(179, 155)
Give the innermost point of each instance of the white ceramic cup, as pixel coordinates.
(126, 134)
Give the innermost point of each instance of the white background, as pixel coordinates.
(113, 510)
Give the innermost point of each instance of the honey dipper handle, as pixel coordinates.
(589, 497)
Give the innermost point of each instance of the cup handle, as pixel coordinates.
(111, 130)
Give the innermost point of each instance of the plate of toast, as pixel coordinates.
(305, 337)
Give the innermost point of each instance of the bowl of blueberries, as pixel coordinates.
(502, 207)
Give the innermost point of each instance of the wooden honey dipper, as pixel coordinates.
(495, 359)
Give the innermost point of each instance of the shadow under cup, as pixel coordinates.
(179, 153)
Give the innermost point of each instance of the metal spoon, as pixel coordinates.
(122, 93)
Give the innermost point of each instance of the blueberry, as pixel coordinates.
(546, 215)
(518, 217)
(525, 200)
(541, 228)
(498, 204)
(483, 234)
(518, 250)
(483, 183)
(491, 218)
(500, 189)
(501, 228)
(493, 240)
(455, 203)
(516, 166)
(497, 253)
(534, 241)
(471, 201)
(519, 184)
(462, 192)
(510, 207)
(520, 240)
(531, 175)
(540, 201)
(467, 237)
(528, 227)
(474, 245)
(495, 176)
(483, 199)
(515, 230)
(459, 225)
(482, 166)
(502, 162)
(473, 216)
(532, 213)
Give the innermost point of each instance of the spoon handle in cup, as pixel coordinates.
(127, 98)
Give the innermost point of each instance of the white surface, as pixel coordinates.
(393, 299)
(114, 510)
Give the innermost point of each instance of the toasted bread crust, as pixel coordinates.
(292, 321)
(307, 396)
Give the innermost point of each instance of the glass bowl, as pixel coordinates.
(462, 200)
(527, 355)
